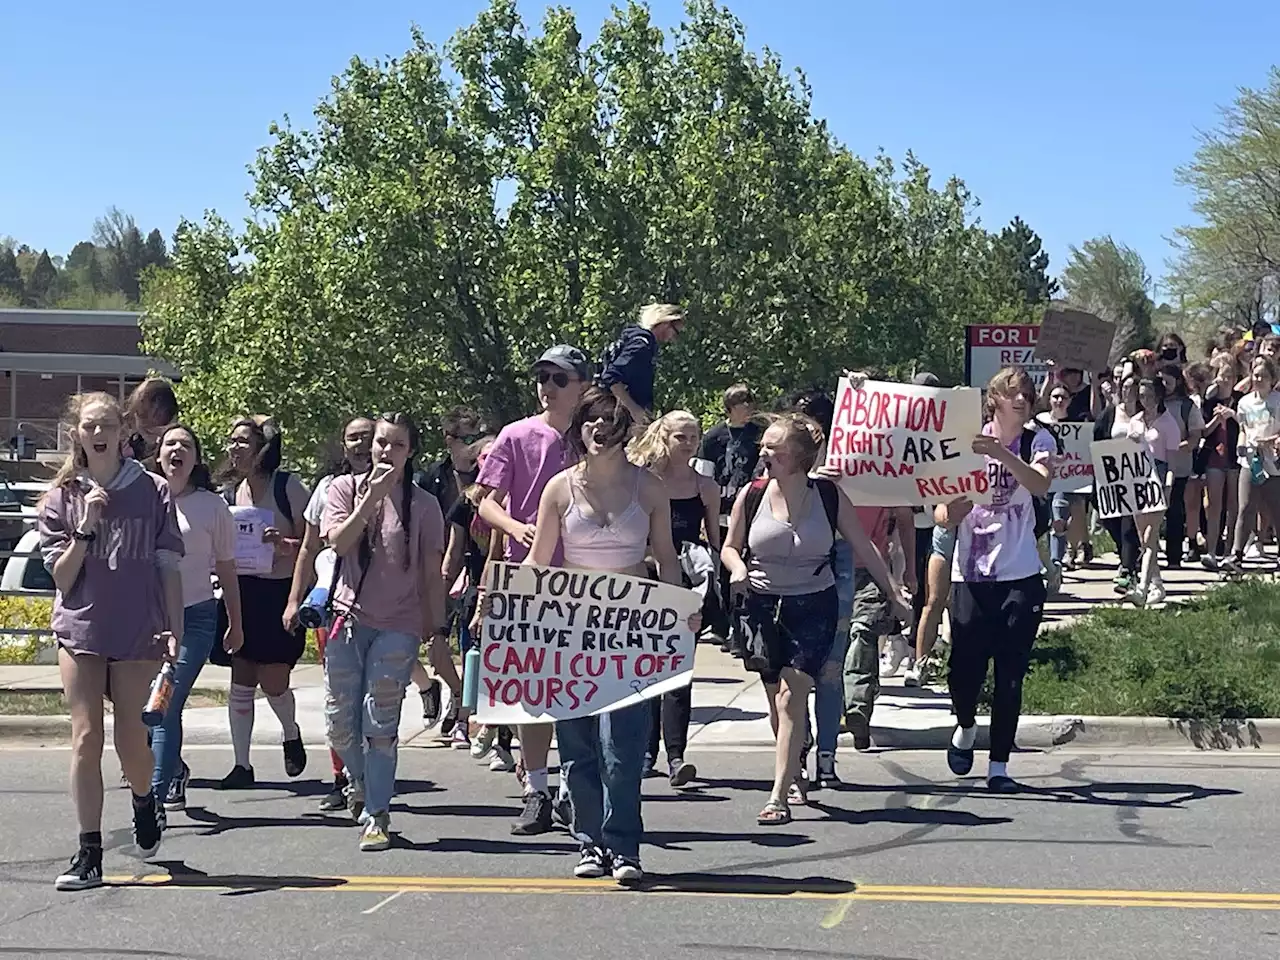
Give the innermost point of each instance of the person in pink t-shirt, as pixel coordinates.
(389, 599)
(526, 455)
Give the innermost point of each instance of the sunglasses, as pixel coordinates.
(558, 377)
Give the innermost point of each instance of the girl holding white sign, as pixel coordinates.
(604, 511)
(998, 592)
(1154, 425)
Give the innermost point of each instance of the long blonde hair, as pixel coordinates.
(77, 460)
(652, 449)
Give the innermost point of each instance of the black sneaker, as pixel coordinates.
(450, 718)
(146, 826)
(860, 727)
(1001, 784)
(335, 799)
(682, 773)
(649, 768)
(627, 871)
(85, 871)
(240, 778)
(175, 798)
(591, 865)
(827, 776)
(431, 703)
(295, 757)
(562, 811)
(536, 818)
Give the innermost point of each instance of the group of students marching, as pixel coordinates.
(137, 532)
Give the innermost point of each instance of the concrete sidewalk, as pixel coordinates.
(730, 708)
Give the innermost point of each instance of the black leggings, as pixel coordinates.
(924, 549)
(996, 621)
(1125, 533)
(669, 716)
(1175, 524)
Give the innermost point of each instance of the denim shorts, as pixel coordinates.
(944, 543)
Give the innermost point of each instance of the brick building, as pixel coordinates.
(48, 355)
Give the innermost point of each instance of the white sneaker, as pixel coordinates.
(1253, 550)
(915, 675)
(898, 652)
(482, 745)
(1156, 593)
(503, 761)
(1136, 595)
(376, 834)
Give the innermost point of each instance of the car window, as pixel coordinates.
(35, 576)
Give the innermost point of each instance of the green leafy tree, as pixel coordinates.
(41, 285)
(1110, 280)
(452, 214)
(1228, 265)
(1016, 257)
(11, 281)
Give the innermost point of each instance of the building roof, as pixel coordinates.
(73, 318)
(92, 364)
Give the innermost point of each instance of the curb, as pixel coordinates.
(1034, 733)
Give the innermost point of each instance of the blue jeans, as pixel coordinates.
(601, 759)
(199, 633)
(828, 691)
(366, 672)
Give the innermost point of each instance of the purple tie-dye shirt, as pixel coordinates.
(997, 540)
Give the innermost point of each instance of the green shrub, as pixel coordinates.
(23, 613)
(1217, 656)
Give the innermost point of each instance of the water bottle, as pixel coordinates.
(471, 678)
(160, 697)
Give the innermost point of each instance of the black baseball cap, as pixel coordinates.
(567, 358)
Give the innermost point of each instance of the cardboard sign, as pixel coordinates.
(253, 557)
(1073, 468)
(1076, 340)
(560, 643)
(1124, 474)
(990, 347)
(895, 444)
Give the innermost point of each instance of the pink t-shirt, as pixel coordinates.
(875, 521)
(520, 464)
(392, 595)
(1163, 434)
(208, 537)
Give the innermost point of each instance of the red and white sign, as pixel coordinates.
(991, 347)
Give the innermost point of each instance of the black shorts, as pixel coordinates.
(262, 603)
(796, 632)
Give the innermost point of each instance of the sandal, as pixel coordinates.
(774, 814)
(798, 792)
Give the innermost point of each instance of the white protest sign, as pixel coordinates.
(253, 557)
(560, 643)
(1124, 475)
(1073, 468)
(895, 444)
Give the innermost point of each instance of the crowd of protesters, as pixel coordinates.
(817, 595)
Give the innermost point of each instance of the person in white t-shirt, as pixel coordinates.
(1258, 413)
(316, 561)
(998, 591)
(1156, 426)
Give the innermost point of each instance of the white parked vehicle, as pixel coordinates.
(26, 574)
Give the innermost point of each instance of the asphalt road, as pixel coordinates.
(1109, 856)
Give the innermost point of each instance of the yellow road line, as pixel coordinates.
(728, 886)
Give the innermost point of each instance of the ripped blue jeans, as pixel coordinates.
(366, 672)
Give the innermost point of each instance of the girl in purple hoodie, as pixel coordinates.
(109, 537)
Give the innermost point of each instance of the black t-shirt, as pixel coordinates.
(631, 360)
(440, 480)
(733, 453)
(463, 513)
(1080, 406)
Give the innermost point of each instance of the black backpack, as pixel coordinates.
(1042, 505)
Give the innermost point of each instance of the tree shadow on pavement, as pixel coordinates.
(745, 884)
(217, 823)
(911, 816)
(479, 845)
(183, 876)
(762, 837)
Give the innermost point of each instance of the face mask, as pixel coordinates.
(1169, 353)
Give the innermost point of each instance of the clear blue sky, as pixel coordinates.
(1071, 115)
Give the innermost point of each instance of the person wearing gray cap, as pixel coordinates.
(526, 455)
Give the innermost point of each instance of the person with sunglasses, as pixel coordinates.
(462, 427)
(524, 458)
(629, 365)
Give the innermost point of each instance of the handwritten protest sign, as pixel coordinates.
(1073, 468)
(560, 643)
(1124, 475)
(895, 444)
(252, 555)
(1075, 340)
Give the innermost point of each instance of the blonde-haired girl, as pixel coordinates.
(667, 448)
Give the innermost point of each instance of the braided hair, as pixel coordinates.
(405, 422)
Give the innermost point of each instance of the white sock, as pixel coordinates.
(997, 768)
(964, 737)
(286, 711)
(536, 781)
(240, 715)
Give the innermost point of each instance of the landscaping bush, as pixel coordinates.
(1217, 656)
(23, 613)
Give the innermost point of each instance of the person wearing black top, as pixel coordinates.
(1216, 458)
(1084, 403)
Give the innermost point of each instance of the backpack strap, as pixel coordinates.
(1024, 444)
(280, 490)
(830, 494)
(750, 507)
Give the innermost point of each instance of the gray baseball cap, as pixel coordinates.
(926, 379)
(567, 358)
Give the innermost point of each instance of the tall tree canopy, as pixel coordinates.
(1229, 264)
(450, 215)
(1110, 280)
